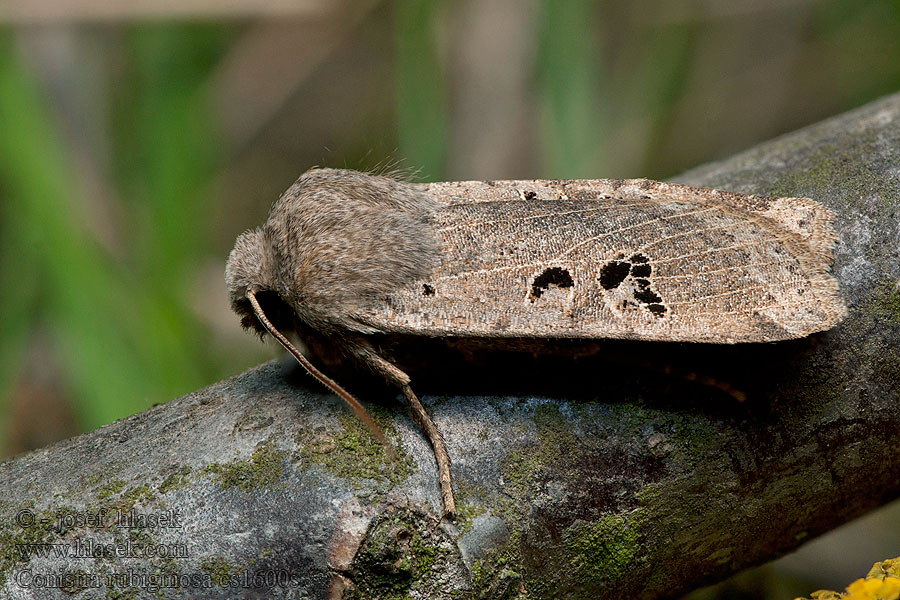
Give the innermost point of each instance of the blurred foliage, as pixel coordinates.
(119, 326)
(121, 188)
(107, 280)
(609, 86)
(121, 192)
(569, 76)
(422, 118)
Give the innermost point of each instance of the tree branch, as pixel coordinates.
(605, 478)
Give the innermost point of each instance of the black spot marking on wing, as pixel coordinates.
(657, 309)
(639, 270)
(552, 276)
(643, 293)
(613, 274)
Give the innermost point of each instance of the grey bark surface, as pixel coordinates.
(602, 481)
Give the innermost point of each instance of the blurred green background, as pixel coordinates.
(137, 141)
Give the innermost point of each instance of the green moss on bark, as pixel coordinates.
(264, 468)
(355, 455)
(885, 302)
(602, 551)
(397, 556)
(20, 531)
(218, 569)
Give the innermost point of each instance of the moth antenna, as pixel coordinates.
(358, 409)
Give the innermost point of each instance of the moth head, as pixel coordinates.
(250, 268)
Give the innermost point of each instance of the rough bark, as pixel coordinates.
(600, 481)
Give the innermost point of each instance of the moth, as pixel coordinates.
(347, 256)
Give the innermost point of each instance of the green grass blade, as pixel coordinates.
(422, 118)
(568, 70)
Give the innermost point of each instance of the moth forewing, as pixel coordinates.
(621, 259)
(345, 255)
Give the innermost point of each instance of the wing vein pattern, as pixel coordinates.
(621, 259)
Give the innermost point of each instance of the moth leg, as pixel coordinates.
(359, 410)
(396, 376)
(437, 443)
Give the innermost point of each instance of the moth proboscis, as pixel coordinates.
(346, 256)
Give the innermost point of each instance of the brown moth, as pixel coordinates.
(345, 256)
